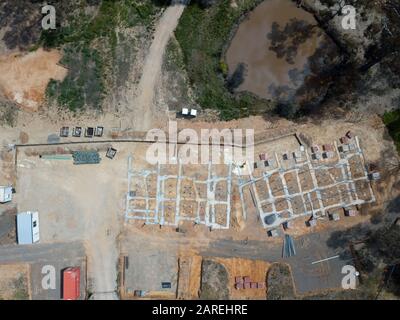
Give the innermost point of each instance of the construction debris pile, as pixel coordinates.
(246, 283)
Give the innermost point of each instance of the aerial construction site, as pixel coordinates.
(110, 188)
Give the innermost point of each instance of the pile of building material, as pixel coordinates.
(86, 157)
(288, 247)
(246, 283)
(55, 157)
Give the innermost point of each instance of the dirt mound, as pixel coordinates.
(214, 281)
(24, 78)
(280, 282)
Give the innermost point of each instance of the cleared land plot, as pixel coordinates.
(189, 277)
(70, 198)
(147, 269)
(297, 205)
(187, 189)
(195, 171)
(281, 204)
(138, 187)
(169, 170)
(169, 210)
(291, 182)
(266, 207)
(276, 185)
(323, 177)
(151, 181)
(201, 189)
(314, 200)
(152, 204)
(202, 210)
(256, 270)
(170, 188)
(29, 91)
(137, 204)
(363, 190)
(330, 196)
(356, 167)
(220, 214)
(262, 189)
(259, 171)
(345, 193)
(221, 191)
(336, 174)
(305, 179)
(188, 209)
(219, 170)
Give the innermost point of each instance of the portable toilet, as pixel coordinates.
(5, 194)
(28, 227)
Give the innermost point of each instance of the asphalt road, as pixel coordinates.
(57, 255)
(40, 252)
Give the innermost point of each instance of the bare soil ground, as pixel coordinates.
(189, 280)
(255, 269)
(24, 77)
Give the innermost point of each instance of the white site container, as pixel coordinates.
(28, 227)
(5, 194)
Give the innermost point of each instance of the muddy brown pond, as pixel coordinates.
(275, 49)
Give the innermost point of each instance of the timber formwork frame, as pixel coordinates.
(157, 213)
(347, 181)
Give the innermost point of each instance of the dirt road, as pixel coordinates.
(151, 71)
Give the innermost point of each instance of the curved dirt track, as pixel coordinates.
(152, 68)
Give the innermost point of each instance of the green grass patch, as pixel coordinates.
(111, 14)
(21, 289)
(89, 43)
(392, 122)
(83, 85)
(203, 35)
